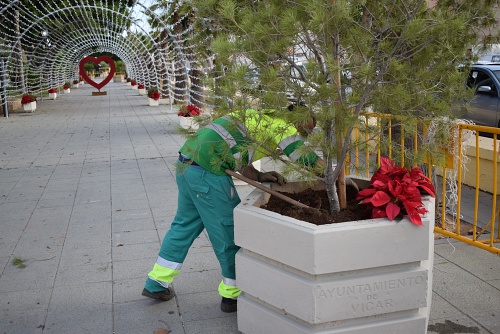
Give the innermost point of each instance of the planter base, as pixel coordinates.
(361, 277)
(29, 107)
(188, 123)
(99, 93)
(153, 102)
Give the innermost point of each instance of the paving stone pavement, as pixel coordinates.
(87, 192)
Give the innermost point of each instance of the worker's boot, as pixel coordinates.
(164, 295)
(229, 305)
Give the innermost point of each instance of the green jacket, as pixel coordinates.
(227, 143)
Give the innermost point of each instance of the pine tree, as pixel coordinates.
(338, 59)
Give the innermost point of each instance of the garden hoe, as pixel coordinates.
(306, 208)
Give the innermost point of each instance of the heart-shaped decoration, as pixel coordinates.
(96, 61)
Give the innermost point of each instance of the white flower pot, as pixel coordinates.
(142, 91)
(129, 84)
(369, 276)
(153, 102)
(134, 87)
(75, 85)
(188, 123)
(52, 96)
(67, 91)
(29, 107)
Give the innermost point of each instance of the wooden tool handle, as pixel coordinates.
(266, 189)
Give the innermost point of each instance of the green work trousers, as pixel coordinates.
(205, 201)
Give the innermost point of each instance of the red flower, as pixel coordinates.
(140, 86)
(66, 87)
(133, 83)
(154, 95)
(189, 111)
(397, 191)
(75, 82)
(25, 99)
(52, 90)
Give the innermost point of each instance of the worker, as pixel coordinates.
(207, 195)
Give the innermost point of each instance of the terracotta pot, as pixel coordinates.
(370, 276)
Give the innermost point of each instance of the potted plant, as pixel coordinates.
(52, 93)
(141, 89)
(154, 96)
(333, 269)
(133, 83)
(67, 87)
(339, 62)
(129, 82)
(29, 102)
(75, 83)
(186, 117)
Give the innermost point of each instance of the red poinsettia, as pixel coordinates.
(189, 111)
(75, 82)
(26, 98)
(65, 87)
(397, 191)
(52, 90)
(154, 95)
(140, 86)
(133, 82)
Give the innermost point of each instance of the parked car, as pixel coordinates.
(484, 108)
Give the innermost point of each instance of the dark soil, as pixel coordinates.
(317, 199)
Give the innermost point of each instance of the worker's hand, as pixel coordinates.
(272, 177)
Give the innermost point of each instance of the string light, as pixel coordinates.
(42, 43)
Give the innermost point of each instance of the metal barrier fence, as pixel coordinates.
(470, 168)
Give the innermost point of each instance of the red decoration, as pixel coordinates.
(395, 191)
(96, 61)
(189, 111)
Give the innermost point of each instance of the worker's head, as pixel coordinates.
(303, 127)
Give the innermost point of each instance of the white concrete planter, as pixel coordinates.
(153, 102)
(67, 91)
(188, 123)
(29, 107)
(134, 87)
(142, 91)
(52, 96)
(362, 277)
(129, 84)
(76, 85)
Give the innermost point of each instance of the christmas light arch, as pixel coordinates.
(42, 42)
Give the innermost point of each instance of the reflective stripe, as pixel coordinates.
(288, 140)
(228, 291)
(163, 275)
(168, 264)
(237, 160)
(163, 284)
(223, 133)
(239, 125)
(229, 281)
(294, 156)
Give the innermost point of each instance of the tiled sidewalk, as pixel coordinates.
(87, 192)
